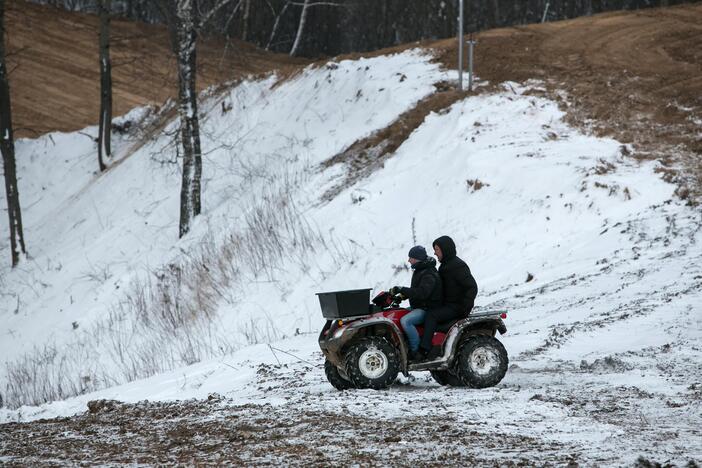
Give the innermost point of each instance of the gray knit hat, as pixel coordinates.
(418, 252)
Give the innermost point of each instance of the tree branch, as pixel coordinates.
(318, 4)
(236, 8)
(214, 10)
(276, 24)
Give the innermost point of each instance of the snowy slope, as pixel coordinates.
(88, 234)
(603, 341)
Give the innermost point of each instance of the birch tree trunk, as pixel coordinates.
(300, 28)
(7, 148)
(186, 39)
(105, 130)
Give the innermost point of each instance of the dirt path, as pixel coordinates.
(54, 78)
(535, 421)
(260, 435)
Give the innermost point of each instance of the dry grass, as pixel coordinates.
(168, 318)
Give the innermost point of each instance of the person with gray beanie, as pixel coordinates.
(424, 293)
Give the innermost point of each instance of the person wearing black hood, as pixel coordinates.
(424, 294)
(459, 290)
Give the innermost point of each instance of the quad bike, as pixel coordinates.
(366, 347)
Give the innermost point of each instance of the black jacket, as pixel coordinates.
(425, 289)
(459, 286)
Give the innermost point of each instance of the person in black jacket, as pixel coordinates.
(424, 294)
(459, 290)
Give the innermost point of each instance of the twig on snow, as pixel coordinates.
(229, 365)
(275, 355)
(289, 354)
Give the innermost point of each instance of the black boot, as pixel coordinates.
(420, 355)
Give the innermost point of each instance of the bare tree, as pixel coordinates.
(105, 135)
(303, 20)
(186, 49)
(276, 24)
(300, 27)
(7, 147)
(185, 18)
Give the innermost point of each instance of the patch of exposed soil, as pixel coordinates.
(54, 73)
(206, 432)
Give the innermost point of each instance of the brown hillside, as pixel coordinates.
(54, 78)
(635, 76)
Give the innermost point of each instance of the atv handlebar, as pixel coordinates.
(384, 299)
(396, 299)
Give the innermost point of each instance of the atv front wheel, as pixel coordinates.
(372, 362)
(445, 377)
(334, 377)
(482, 361)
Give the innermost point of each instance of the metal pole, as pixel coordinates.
(460, 45)
(471, 43)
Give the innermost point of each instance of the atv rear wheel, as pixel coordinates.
(445, 377)
(372, 362)
(334, 377)
(482, 362)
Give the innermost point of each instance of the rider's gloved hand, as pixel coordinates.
(395, 290)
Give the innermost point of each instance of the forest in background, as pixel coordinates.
(316, 28)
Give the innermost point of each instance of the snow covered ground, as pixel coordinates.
(604, 342)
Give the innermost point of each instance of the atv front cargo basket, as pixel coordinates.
(341, 304)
